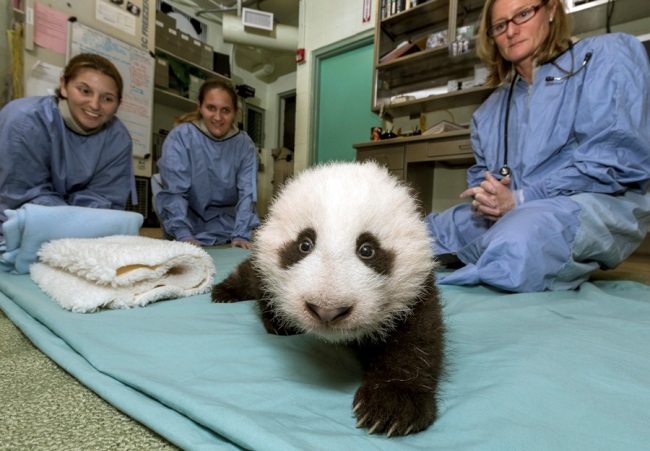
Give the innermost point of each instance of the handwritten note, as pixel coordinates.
(50, 28)
(137, 69)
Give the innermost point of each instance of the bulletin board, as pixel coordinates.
(137, 69)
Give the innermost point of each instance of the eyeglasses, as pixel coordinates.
(520, 18)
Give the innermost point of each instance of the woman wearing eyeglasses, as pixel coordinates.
(562, 147)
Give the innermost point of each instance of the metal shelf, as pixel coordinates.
(205, 70)
(430, 64)
(464, 97)
(172, 100)
(428, 69)
(593, 15)
(416, 18)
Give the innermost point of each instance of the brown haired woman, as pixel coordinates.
(206, 189)
(68, 149)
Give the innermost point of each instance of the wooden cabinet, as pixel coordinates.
(390, 155)
(415, 159)
(395, 154)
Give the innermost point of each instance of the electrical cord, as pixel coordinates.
(610, 11)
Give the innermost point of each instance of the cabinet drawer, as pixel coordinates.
(449, 147)
(391, 157)
(445, 149)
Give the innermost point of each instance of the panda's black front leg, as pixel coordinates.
(398, 394)
(242, 284)
(272, 322)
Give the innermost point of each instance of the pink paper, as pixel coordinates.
(50, 28)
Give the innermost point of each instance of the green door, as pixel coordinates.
(344, 116)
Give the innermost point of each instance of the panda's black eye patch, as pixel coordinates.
(373, 255)
(294, 251)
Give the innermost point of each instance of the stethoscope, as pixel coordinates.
(505, 171)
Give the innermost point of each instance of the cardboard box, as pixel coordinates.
(166, 33)
(195, 86)
(197, 49)
(186, 49)
(167, 39)
(161, 31)
(166, 20)
(206, 56)
(161, 78)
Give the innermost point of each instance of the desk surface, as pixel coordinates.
(456, 134)
(452, 147)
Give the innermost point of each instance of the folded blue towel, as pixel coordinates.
(28, 227)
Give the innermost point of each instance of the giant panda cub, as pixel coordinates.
(344, 255)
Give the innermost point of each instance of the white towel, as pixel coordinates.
(86, 274)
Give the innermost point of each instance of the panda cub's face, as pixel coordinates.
(343, 252)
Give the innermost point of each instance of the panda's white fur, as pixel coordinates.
(340, 201)
(344, 255)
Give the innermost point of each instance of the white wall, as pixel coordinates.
(283, 85)
(322, 23)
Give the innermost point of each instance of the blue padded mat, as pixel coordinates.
(563, 370)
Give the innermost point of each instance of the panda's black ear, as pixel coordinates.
(294, 251)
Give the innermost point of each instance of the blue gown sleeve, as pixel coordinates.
(25, 173)
(246, 219)
(612, 127)
(175, 174)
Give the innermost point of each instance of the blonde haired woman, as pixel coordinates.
(562, 147)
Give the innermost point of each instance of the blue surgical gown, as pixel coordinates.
(44, 162)
(579, 150)
(208, 187)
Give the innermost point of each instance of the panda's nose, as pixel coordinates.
(328, 315)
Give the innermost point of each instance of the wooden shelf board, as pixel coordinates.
(472, 96)
(416, 18)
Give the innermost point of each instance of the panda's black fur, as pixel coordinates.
(345, 256)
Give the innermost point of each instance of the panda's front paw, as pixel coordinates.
(393, 409)
(225, 292)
